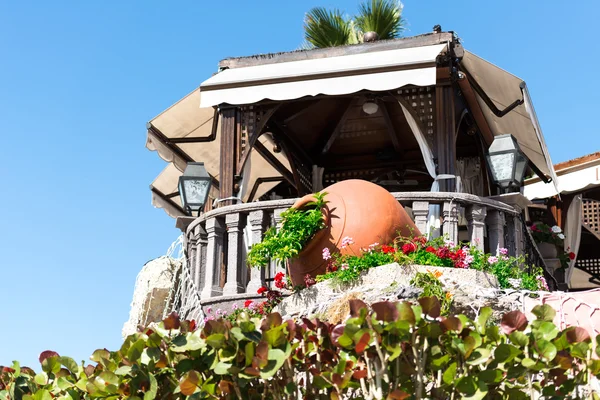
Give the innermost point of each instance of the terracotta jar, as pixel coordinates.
(358, 209)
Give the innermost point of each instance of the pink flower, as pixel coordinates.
(503, 251)
(235, 306)
(326, 254)
(492, 259)
(344, 266)
(542, 283)
(218, 312)
(372, 246)
(248, 303)
(346, 241)
(208, 309)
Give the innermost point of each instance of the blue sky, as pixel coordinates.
(79, 80)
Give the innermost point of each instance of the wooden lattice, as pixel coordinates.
(591, 214)
(591, 266)
(332, 177)
(422, 101)
(304, 174)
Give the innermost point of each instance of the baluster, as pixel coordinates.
(192, 256)
(214, 231)
(257, 222)
(450, 215)
(200, 260)
(421, 211)
(233, 284)
(495, 224)
(476, 224)
(274, 267)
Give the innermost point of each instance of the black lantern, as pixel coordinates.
(194, 185)
(507, 163)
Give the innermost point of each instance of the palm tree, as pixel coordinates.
(327, 28)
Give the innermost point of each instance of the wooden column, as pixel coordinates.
(444, 135)
(228, 162)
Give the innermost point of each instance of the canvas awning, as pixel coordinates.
(568, 182)
(172, 135)
(503, 89)
(383, 70)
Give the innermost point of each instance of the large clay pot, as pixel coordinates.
(355, 208)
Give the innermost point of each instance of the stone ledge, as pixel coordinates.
(387, 282)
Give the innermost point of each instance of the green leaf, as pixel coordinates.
(51, 365)
(276, 359)
(216, 340)
(545, 331)
(69, 364)
(519, 339)
(42, 394)
(546, 349)
(63, 383)
(491, 376)
(41, 378)
(544, 312)
(124, 370)
(450, 374)
(135, 351)
(505, 353)
(222, 368)
(484, 315)
(151, 393)
(479, 356)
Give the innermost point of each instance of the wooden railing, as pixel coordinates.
(217, 242)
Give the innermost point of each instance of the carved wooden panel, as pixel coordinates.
(422, 101)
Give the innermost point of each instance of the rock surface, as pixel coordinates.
(471, 291)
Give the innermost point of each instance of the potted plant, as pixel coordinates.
(548, 239)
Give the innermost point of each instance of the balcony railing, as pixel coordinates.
(217, 242)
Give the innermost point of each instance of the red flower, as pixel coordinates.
(421, 240)
(430, 249)
(247, 303)
(261, 290)
(409, 248)
(280, 284)
(572, 255)
(388, 249)
(279, 276)
(309, 280)
(534, 228)
(443, 252)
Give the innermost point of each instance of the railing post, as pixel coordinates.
(200, 257)
(450, 215)
(214, 231)
(421, 211)
(257, 222)
(495, 223)
(476, 224)
(234, 283)
(274, 267)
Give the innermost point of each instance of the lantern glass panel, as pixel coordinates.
(520, 168)
(502, 166)
(195, 190)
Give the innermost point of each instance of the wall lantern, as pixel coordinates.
(194, 185)
(370, 107)
(507, 163)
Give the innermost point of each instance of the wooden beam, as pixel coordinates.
(314, 104)
(342, 162)
(475, 110)
(390, 127)
(275, 163)
(286, 138)
(228, 155)
(260, 181)
(329, 138)
(254, 136)
(444, 135)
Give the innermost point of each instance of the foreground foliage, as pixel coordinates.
(387, 351)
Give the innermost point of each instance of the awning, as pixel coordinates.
(569, 182)
(503, 89)
(172, 134)
(384, 70)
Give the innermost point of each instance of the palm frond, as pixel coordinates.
(327, 28)
(381, 16)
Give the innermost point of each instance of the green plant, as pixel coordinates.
(432, 286)
(388, 350)
(327, 28)
(297, 228)
(543, 233)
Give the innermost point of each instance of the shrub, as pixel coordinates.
(386, 351)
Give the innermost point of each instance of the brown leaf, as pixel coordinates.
(271, 320)
(172, 321)
(89, 370)
(47, 354)
(451, 324)
(513, 321)
(252, 371)
(363, 342)
(385, 311)
(577, 334)
(398, 395)
(430, 306)
(355, 306)
(359, 374)
(189, 382)
(226, 387)
(336, 333)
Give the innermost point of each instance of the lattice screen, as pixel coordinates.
(591, 266)
(422, 100)
(591, 214)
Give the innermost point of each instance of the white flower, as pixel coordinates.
(561, 236)
(556, 229)
(514, 283)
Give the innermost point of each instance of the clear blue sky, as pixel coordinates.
(79, 80)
